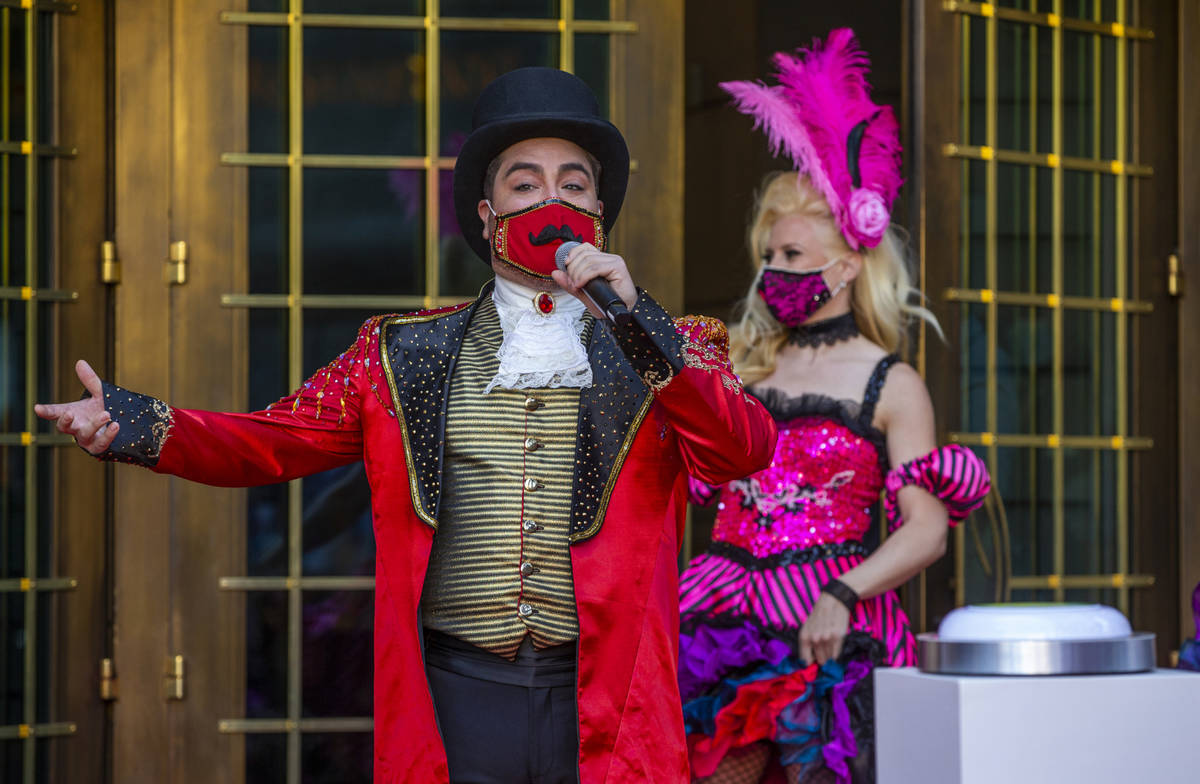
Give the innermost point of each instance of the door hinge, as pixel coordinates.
(174, 678)
(110, 265)
(175, 271)
(108, 680)
(1174, 276)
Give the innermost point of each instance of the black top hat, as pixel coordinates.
(530, 103)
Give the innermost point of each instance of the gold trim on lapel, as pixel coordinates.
(386, 360)
(630, 435)
(611, 412)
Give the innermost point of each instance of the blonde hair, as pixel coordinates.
(879, 297)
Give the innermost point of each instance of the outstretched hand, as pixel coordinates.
(822, 633)
(86, 420)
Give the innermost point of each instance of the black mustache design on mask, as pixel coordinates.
(550, 233)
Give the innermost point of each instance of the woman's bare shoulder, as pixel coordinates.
(904, 396)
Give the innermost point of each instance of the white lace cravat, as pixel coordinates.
(539, 351)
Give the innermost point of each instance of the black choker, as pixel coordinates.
(824, 333)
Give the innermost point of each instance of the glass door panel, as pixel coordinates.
(1048, 308)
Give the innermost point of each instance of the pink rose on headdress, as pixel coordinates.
(868, 215)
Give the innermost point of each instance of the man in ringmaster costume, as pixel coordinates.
(527, 458)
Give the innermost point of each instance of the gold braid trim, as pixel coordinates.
(706, 347)
(160, 429)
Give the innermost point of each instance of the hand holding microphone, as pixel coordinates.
(598, 288)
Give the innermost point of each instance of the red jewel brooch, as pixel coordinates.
(544, 302)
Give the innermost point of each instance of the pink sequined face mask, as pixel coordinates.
(792, 296)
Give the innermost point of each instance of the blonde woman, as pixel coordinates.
(787, 612)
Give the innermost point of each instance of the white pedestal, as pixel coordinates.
(1098, 729)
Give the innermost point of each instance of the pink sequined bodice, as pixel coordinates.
(819, 488)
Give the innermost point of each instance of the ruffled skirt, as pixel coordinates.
(740, 675)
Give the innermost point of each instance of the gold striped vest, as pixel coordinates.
(500, 567)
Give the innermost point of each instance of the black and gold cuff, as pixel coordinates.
(145, 423)
(651, 343)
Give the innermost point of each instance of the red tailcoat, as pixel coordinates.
(383, 402)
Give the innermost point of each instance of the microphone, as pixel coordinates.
(598, 289)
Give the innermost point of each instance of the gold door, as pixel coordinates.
(283, 172)
(1049, 212)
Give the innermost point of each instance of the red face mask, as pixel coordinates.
(528, 238)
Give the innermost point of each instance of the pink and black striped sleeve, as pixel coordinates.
(700, 492)
(953, 474)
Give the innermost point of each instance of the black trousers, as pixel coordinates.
(505, 722)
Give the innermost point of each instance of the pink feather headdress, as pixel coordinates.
(821, 115)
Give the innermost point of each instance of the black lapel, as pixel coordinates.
(419, 356)
(610, 412)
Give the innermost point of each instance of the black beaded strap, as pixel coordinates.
(842, 592)
(875, 388)
(820, 552)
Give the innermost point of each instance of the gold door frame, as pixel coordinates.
(29, 296)
(948, 153)
(62, 154)
(1120, 441)
(1189, 314)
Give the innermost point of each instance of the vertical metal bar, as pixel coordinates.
(32, 86)
(616, 107)
(907, 43)
(5, 273)
(1056, 287)
(1035, 424)
(906, 53)
(6, 118)
(965, 227)
(295, 632)
(990, 247)
(960, 542)
(1122, 292)
(1098, 359)
(566, 28)
(295, 374)
(433, 207)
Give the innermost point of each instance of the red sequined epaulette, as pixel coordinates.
(706, 342)
(704, 329)
(328, 395)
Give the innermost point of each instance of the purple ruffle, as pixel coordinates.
(708, 653)
(842, 746)
(1189, 655)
